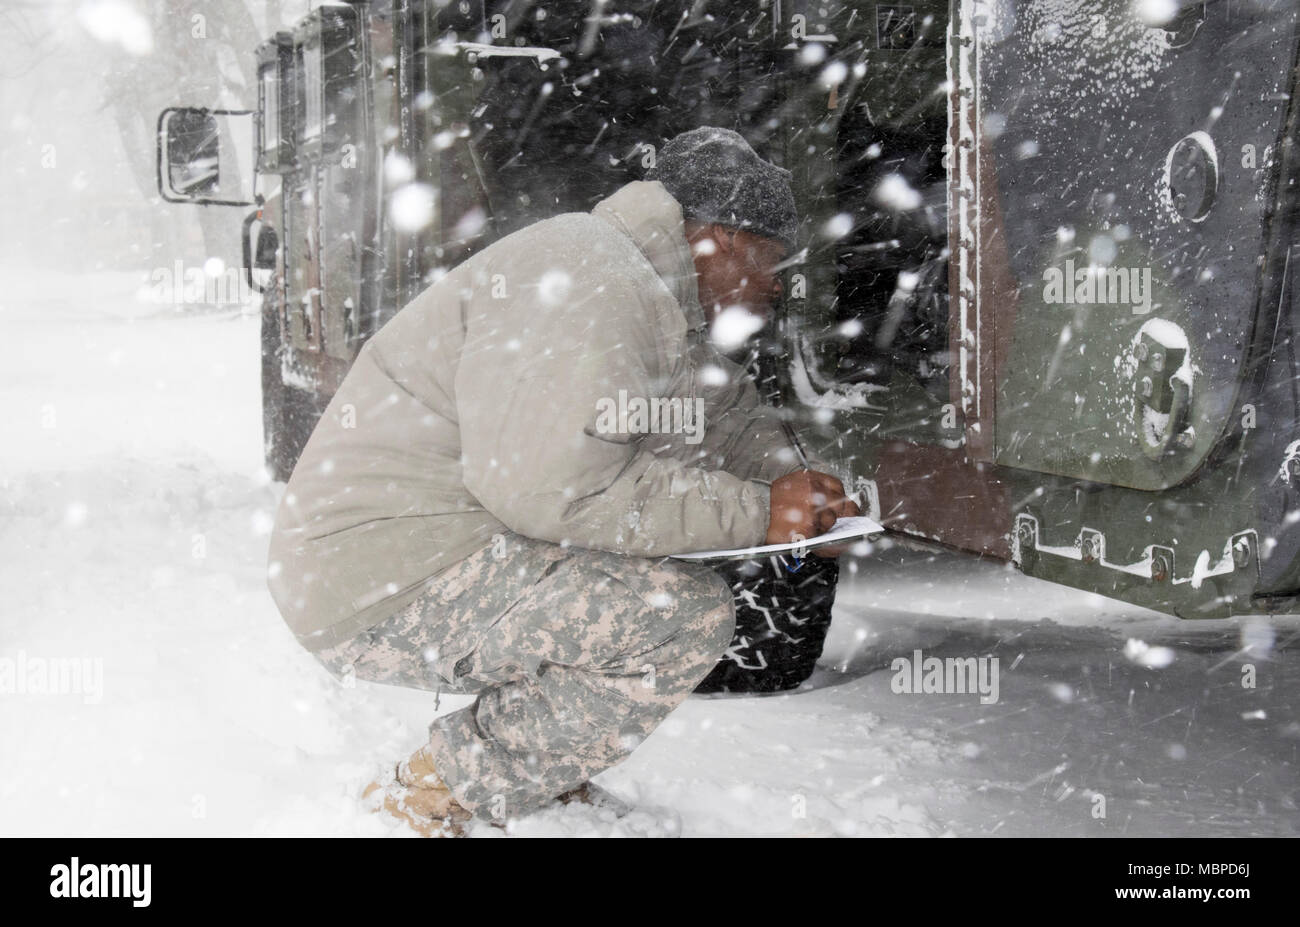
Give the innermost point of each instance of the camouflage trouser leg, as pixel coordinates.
(576, 656)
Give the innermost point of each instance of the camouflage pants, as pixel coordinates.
(576, 656)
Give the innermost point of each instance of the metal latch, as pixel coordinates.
(1162, 386)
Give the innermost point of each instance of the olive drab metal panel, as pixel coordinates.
(1122, 210)
(1125, 433)
(1116, 176)
(326, 183)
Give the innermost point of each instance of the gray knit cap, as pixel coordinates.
(717, 177)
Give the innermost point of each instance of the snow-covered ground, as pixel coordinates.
(134, 514)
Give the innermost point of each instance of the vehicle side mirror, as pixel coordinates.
(205, 156)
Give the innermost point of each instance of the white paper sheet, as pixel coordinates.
(844, 529)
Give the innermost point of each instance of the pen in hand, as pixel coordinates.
(795, 443)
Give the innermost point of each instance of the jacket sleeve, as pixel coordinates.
(537, 452)
(744, 436)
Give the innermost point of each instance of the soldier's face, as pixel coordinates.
(736, 268)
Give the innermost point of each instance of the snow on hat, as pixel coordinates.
(717, 177)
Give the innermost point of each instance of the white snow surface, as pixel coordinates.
(134, 514)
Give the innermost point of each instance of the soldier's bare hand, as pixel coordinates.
(804, 504)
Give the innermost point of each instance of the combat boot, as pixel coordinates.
(416, 795)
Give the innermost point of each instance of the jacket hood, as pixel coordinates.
(645, 212)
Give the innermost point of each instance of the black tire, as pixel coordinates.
(782, 619)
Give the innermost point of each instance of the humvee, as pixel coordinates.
(1046, 306)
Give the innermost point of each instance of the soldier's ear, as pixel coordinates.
(712, 239)
(725, 238)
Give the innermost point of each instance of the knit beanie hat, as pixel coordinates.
(718, 178)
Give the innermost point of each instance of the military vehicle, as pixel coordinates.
(1046, 306)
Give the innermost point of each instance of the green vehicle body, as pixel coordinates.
(1045, 312)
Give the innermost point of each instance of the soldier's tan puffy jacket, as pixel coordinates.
(478, 407)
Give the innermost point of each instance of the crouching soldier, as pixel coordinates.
(490, 500)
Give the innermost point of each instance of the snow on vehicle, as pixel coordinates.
(1045, 310)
